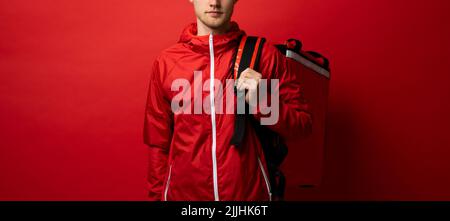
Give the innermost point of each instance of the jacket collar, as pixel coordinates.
(200, 44)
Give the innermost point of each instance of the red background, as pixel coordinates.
(74, 75)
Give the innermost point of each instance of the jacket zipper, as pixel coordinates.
(265, 179)
(213, 117)
(167, 183)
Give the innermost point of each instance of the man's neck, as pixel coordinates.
(202, 29)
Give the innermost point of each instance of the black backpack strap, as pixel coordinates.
(247, 56)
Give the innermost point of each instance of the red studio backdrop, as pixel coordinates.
(74, 78)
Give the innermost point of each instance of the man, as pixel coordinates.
(190, 155)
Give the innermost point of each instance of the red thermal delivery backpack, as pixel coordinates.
(304, 164)
(297, 162)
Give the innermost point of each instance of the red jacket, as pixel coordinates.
(190, 156)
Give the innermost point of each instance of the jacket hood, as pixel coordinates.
(201, 43)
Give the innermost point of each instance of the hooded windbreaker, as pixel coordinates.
(190, 155)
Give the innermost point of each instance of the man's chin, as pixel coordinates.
(214, 23)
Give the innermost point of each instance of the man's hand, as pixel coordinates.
(249, 81)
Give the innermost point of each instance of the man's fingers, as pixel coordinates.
(249, 80)
(249, 74)
(243, 85)
(249, 84)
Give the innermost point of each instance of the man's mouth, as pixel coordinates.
(214, 13)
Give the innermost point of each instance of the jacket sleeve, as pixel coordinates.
(294, 118)
(158, 129)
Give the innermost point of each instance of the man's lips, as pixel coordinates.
(214, 13)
